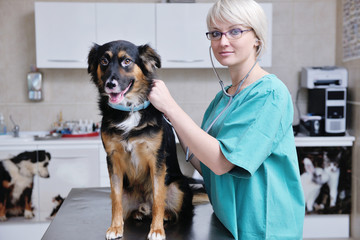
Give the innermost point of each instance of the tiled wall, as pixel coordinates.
(303, 35)
(353, 67)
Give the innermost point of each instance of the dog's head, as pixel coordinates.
(32, 163)
(122, 71)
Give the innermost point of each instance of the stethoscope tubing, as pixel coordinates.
(231, 96)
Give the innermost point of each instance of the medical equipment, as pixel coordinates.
(231, 96)
(327, 96)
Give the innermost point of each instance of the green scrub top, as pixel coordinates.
(261, 197)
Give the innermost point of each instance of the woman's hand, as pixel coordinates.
(160, 96)
(205, 147)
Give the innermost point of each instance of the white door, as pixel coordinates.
(134, 22)
(64, 34)
(181, 39)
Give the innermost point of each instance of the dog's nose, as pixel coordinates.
(110, 84)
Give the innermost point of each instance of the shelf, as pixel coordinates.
(327, 226)
(302, 140)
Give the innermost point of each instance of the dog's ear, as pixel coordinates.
(48, 155)
(149, 57)
(92, 58)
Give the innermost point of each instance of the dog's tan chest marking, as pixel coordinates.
(138, 152)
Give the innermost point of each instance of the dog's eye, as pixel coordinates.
(104, 61)
(126, 62)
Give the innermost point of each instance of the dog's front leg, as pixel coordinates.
(117, 221)
(3, 210)
(157, 231)
(28, 213)
(4, 194)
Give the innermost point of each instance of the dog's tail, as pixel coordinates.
(199, 192)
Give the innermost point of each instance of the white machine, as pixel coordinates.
(324, 77)
(327, 97)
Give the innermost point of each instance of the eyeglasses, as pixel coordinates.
(231, 34)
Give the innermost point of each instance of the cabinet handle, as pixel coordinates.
(64, 60)
(186, 61)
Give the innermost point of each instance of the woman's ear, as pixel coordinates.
(259, 47)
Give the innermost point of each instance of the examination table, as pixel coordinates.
(86, 215)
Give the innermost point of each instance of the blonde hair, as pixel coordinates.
(247, 13)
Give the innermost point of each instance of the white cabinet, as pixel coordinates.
(73, 164)
(328, 221)
(103, 169)
(65, 31)
(134, 22)
(64, 34)
(70, 167)
(181, 40)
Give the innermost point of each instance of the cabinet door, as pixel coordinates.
(103, 171)
(70, 167)
(181, 39)
(134, 22)
(64, 34)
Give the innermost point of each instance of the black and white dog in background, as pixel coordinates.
(16, 182)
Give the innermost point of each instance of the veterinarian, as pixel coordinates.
(248, 157)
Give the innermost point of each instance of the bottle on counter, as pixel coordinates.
(2, 125)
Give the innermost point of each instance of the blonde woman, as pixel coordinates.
(248, 157)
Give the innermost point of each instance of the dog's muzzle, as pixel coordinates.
(113, 89)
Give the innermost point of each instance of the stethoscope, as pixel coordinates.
(231, 96)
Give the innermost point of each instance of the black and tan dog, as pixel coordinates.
(141, 153)
(17, 180)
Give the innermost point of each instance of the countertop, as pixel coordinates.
(301, 140)
(86, 215)
(27, 138)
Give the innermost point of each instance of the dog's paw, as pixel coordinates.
(28, 214)
(145, 209)
(156, 234)
(114, 233)
(3, 218)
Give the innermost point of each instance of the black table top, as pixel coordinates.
(86, 214)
